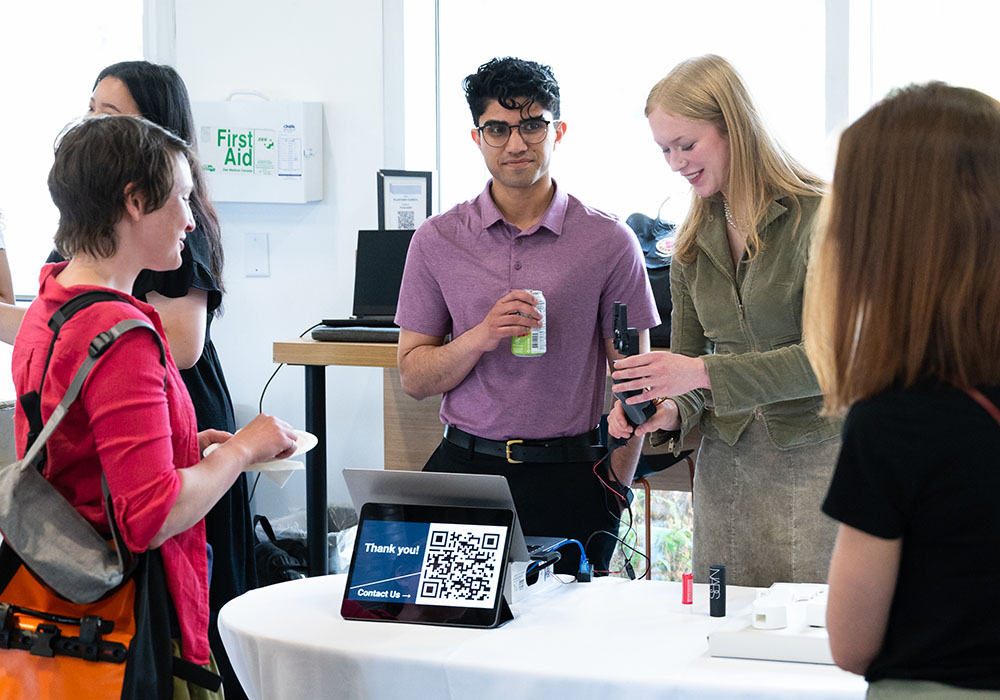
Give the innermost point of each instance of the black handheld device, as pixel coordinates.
(626, 341)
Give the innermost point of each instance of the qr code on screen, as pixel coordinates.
(461, 565)
(404, 219)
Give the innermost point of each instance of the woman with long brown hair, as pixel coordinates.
(902, 327)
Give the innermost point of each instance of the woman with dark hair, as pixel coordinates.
(187, 299)
(192, 294)
(901, 326)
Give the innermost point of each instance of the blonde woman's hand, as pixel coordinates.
(659, 374)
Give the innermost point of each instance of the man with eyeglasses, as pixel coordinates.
(531, 419)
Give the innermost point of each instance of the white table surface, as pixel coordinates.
(605, 639)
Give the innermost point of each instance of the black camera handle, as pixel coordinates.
(626, 342)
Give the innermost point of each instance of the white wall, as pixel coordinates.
(331, 52)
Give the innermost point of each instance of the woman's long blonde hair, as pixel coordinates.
(903, 284)
(709, 89)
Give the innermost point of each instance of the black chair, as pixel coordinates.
(651, 232)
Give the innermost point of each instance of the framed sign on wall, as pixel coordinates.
(404, 199)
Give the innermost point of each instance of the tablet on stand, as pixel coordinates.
(438, 565)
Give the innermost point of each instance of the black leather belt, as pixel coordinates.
(574, 448)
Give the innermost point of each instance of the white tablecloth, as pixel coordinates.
(605, 639)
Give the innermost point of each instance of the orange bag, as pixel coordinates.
(118, 646)
(133, 660)
(31, 673)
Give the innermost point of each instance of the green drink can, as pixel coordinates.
(533, 344)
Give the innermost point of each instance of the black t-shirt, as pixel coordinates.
(924, 464)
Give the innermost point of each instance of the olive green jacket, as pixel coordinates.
(747, 323)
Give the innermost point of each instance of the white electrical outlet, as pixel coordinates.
(255, 255)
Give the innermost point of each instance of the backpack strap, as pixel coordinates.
(31, 401)
(198, 675)
(101, 342)
(265, 525)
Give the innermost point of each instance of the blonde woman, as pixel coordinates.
(902, 328)
(737, 367)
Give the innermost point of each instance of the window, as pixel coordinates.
(606, 57)
(952, 41)
(51, 53)
(811, 65)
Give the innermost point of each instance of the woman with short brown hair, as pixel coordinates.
(123, 187)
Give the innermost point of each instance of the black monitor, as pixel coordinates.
(378, 271)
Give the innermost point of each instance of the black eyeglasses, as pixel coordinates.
(497, 134)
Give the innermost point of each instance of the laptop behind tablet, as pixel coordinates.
(441, 488)
(435, 488)
(378, 273)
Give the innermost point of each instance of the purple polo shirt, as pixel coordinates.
(462, 262)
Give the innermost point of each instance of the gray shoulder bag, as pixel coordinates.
(55, 542)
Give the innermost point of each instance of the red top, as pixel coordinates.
(125, 424)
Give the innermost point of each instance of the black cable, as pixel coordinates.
(260, 403)
(260, 408)
(253, 489)
(622, 543)
(106, 625)
(631, 529)
(631, 521)
(628, 557)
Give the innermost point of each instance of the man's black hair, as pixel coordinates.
(507, 80)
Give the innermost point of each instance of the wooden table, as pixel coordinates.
(412, 428)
